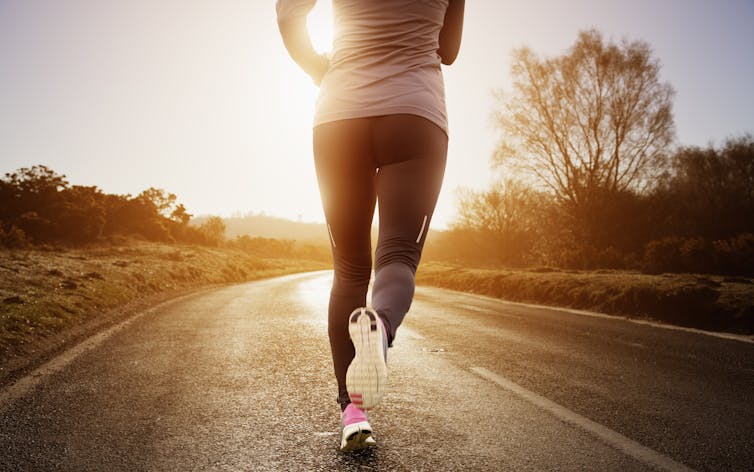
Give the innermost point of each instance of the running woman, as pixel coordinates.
(380, 134)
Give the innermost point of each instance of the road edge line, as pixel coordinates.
(20, 387)
(744, 338)
(613, 438)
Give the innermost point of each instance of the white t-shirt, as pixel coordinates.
(384, 59)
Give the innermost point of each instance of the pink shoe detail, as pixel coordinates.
(356, 433)
(352, 415)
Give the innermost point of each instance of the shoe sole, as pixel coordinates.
(366, 377)
(357, 436)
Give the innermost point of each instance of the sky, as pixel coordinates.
(199, 97)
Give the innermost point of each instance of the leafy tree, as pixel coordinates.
(79, 214)
(591, 123)
(709, 192)
(30, 191)
(29, 196)
(37, 205)
(36, 180)
(213, 230)
(163, 203)
(180, 215)
(114, 209)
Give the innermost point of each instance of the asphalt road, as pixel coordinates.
(239, 378)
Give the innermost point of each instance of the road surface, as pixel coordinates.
(239, 378)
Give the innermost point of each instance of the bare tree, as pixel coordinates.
(504, 208)
(502, 222)
(596, 119)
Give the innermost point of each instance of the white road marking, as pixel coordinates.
(20, 387)
(656, 324)
(23, 385)
(746, 338)
(622, 443)
(410, 333)
(475, 308)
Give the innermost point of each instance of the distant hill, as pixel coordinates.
(264, 226)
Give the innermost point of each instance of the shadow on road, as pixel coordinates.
(365, 459)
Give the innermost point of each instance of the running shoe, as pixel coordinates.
(356, 433)
(366, 377)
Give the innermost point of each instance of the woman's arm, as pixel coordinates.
(291, 16)
(450, 34)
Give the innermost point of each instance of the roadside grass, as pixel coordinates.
(45, 292)
(707, 302)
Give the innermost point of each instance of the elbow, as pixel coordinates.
(448, 55)
(448, 59)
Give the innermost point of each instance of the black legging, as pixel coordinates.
(398, 160)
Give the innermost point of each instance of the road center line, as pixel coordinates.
(607, 435)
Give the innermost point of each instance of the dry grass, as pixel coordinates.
(43, 293)
(700, 301)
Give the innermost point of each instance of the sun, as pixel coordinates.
(319, 24)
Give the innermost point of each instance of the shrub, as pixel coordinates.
(13, 238)
(696, 255)
(663, 256)
(735, 256)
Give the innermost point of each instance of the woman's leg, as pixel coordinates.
(411, 154)
(346, 175)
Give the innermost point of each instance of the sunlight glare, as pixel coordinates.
(319, 24)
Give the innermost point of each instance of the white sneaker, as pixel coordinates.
(366, 378)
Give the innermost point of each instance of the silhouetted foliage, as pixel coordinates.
(39, 206)
(734, 256)
(213, 231)
(702, 212)
(709, 192)
(699, 217)
(180, 215)
(606, 231)
(80, 214)
(595, 118)
(591, 126)
(499, 225)
(28, 196)
(13, 237)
